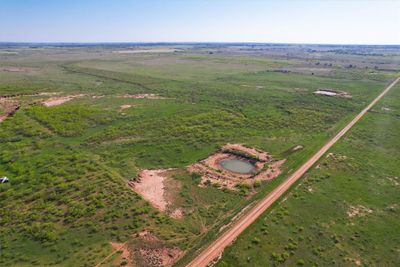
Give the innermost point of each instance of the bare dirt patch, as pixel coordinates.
(55, 101)
(8, 107)
(142, 96)
(149, 250)
(152, 185)
(297, 148)
(147, 236)
(332, 92)
(358, 211)
(266, 168)
(126, 106)
(177, 214)
(16, 69)
(98, 96)
(160, 256)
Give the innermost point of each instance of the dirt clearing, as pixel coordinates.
(142, 96)
(212, 172)
(16, 69)
(152, 185)
(8, 106)
(358, 211)
(148, 250)
(122, 107)
(55, 101)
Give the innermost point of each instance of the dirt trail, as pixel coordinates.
(215, 249)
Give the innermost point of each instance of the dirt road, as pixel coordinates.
(217, 247)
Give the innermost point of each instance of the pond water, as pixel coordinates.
(237, 165)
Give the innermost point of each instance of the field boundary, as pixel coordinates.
(216, 248)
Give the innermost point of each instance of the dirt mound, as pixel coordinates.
(260, 155)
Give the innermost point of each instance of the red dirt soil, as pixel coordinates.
(162, 257)
(151, 185)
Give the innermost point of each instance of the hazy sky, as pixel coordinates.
(288, 21)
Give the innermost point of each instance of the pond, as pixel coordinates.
(237, 165)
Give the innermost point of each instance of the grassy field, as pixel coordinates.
(346, 210)
(68, 164)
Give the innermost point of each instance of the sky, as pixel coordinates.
(269, 21)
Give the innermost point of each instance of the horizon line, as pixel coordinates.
(182, 42)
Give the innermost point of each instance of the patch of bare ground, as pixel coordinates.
(297, 148)
(160, 256)
(357, 262)
(16, 69)
(157, 187)
(147, 236)
(55, 101)
(126, 106)
(149, 250)
(358, 211)
(266, 168)
(386, 109)
(98, 96)
(142, 96)
(332, 92)
(143, 249)
(394, 180)
(8, 108)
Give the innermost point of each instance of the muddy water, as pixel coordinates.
(237, 165)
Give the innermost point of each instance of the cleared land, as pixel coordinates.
(68, 201)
